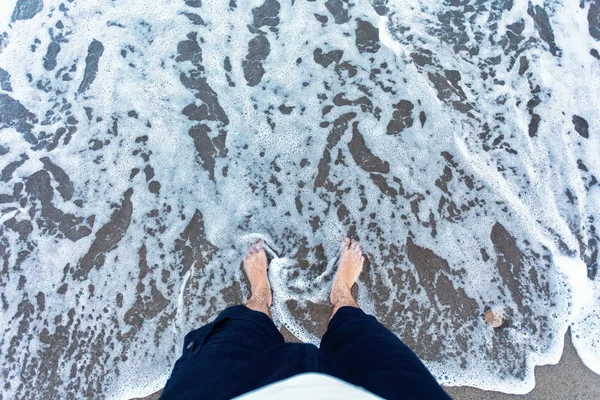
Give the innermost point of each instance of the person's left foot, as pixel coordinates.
(255, 266)
(351, 265)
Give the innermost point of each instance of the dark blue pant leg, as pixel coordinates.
(376, 359)
(215, 355)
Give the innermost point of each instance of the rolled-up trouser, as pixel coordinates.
(242, 350)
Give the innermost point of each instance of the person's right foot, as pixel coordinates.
(351, 264)
(255, 267)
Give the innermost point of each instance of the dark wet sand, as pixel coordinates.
(569, 379)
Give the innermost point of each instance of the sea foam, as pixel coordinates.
(143, 147)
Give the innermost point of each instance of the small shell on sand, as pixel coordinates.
(494, 318)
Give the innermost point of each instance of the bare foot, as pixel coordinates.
(351, 264)
(255, 267)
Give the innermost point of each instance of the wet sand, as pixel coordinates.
(569, 379)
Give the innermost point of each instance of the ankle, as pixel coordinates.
(342, 299)
(341, 294)
(262, 294)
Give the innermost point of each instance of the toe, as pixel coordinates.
(346, 244)
(254, 248)
(358, 251)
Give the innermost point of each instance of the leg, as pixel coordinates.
(351, 264)
(255, 266)
(373, 357)
(215, 353)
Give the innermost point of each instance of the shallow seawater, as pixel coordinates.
(143, 146)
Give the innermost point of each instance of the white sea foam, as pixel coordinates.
(471, 211)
